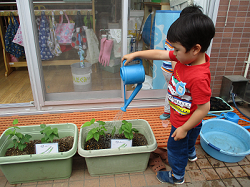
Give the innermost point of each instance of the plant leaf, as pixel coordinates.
(92, 120)
(102, 133)
(129, 125)
(120, 130)
(51, 137)
(97, 136)
(10, 145)
(135, 130)
(9, 132)
(21, 146)
(101, 122)
(89, 136)
(48, 131)
(86, 124)
(131, 135)
(55, 130)
(10, 136)
(126, 128)
(126, 134)
(27, 136)
(93, 131)
(15, 121)
(113, 131)
(42, 126)
(43, 140)
(19, 135)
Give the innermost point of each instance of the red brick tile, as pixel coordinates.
(76, 183)
(107, 182)
(237, 171)
(245, 161)
(88, 176)
(61, 180)
(224, 173)
(216, 183)
(77, 175)
(203, 163)
(231, 182)
(137, 180)
(210, 174)
(92, 182)
(44, 185)
(245, 181)
(196, 175)
(200, 153)
(192, 166)
(187, 178)
(216, 163)
(231, 164)
(122, 181)
(152, 180)
(246, 169)
(60, 184)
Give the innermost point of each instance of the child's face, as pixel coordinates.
(181, 55)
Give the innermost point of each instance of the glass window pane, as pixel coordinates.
(81, 48)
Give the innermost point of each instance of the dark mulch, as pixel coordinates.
(218, 105)
(105, 142)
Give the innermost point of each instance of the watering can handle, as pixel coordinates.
(132, 60)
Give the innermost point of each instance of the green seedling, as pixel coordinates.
(127, 129)
(95, 132)
(20, 140)
(113, 132)
(49, 133)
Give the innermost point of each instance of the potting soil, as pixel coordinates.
(105, 143)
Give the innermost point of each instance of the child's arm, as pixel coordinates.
(196, 117)
(147, 54)
(173, 64)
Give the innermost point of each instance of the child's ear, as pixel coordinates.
(196, 49)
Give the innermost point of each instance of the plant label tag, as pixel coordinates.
(120, 143)
(46, 148)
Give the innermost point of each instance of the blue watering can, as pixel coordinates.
(132, 74)
(231, 116)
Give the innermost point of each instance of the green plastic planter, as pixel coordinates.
(38, 167)
(117, 161)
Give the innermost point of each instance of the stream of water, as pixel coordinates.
(117, 120)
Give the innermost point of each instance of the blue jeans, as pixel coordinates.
(179, 151)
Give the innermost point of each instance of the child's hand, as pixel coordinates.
(179, 134)
(128, 57)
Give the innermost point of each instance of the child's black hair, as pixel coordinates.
(191, 9)
(192, 29)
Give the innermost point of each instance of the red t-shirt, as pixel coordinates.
(188, 87)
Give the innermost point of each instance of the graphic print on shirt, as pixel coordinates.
(179, 96)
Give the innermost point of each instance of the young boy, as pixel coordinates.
(167, 66)
(189, 88)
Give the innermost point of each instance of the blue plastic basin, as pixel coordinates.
(225, 140)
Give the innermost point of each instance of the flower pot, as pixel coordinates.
(116, 161)
(38, 167)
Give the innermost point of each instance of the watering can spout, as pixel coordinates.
(132, 74)
(134, 93)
